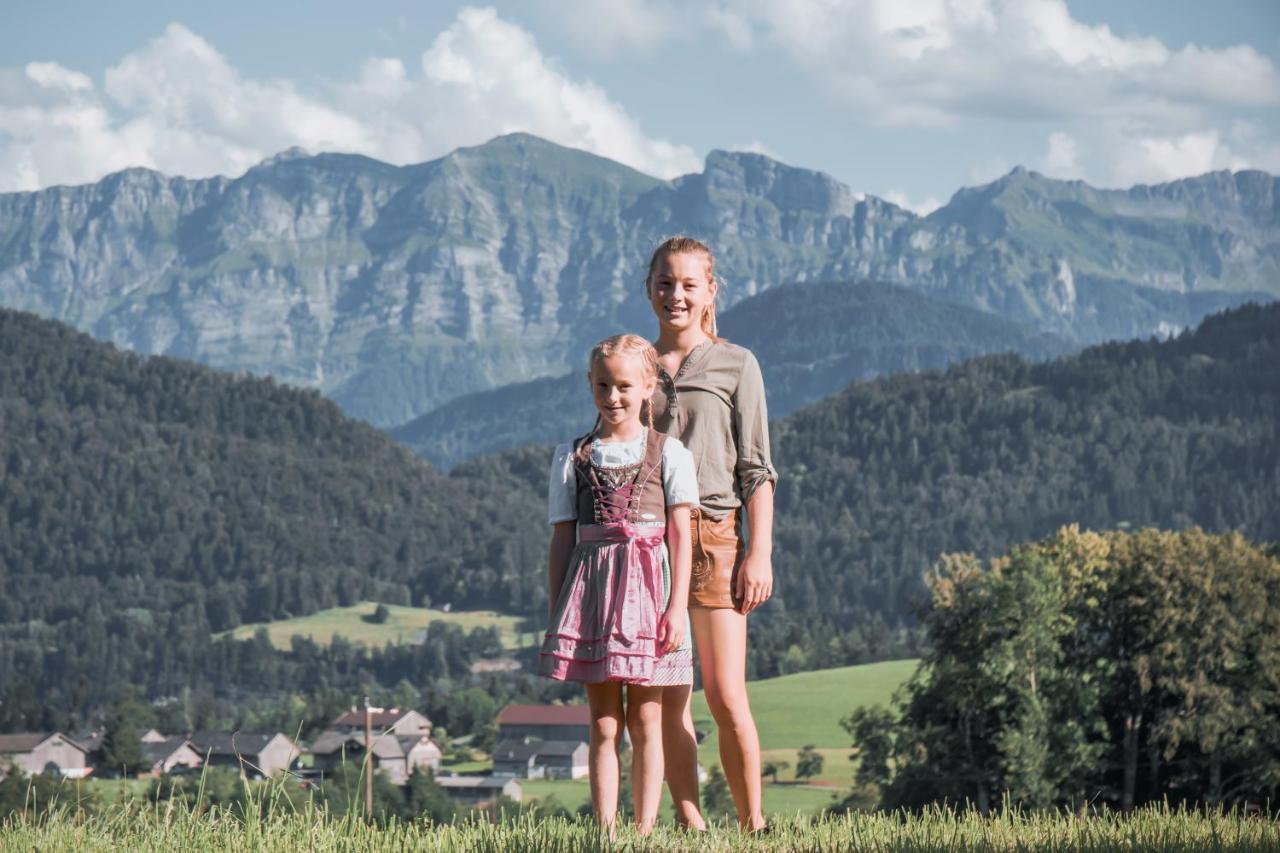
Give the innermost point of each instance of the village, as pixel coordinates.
(534, 742)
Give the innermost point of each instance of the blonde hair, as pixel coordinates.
(627, 344)
(682, 245)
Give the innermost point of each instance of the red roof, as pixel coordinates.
(545, 715)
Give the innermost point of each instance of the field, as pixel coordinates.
(162, 828)
(790, 711)
(402, 625)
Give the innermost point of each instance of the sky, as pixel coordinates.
(905, 99)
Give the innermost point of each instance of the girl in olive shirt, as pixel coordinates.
(711, 397)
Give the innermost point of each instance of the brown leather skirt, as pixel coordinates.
(717, 555)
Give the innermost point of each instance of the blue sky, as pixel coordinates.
(904, 99)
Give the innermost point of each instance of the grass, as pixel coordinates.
(790, 711)
(402, 625)
(794, 710)
(165, 827)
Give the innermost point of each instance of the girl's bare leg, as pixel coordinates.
(605, 701)
(644, 722)
(721, 636)
(680, 752)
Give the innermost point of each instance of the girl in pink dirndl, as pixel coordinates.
(618, 573)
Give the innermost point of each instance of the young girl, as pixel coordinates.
(618, 605)
(711, 396)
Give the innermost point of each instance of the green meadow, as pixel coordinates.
(402, 626)
(790, 711)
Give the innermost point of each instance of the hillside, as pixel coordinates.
(393, 290)
(145, 499)
(881, 478)
(811, 340)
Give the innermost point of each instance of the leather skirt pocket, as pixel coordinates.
(717, 556)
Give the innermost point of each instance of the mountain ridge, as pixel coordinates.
(395, 289)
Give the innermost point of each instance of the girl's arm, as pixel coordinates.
(680, 548)
(756, 478)
(563, 536)
(755, 578)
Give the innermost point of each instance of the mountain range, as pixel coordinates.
(811, 340)
(394, 290)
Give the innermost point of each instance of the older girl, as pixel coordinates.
(711, 396)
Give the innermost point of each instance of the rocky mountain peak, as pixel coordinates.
(396, 289)
(752, 174)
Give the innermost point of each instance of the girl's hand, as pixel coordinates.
(671, 629)
(755, 581)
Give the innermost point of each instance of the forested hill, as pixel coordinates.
(880, 479)
(145, 503)
(811, 339)
(157, 485)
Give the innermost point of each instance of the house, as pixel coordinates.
(536, 759)
(545, 722)
(396, 756)
(171, 755)
(393, 721)
(517, 758)
(563, 759)
(44, 752)
(92, 739)
(256, 755)
(476, 790)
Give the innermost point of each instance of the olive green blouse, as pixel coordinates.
(715, 405)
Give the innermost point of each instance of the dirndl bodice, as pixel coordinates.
(605, 623)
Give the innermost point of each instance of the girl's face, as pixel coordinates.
(620, 388)
(679, 290)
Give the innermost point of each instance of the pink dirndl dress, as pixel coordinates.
(605, 623)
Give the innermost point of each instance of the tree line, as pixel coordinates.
(1088, 669)
(147, 504)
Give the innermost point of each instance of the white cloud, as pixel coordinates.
(485, 76)
(755, 146)
(1121, 156)
(924, 207)
(51, 75)
(937, 61)
(177, 105)
(1061, 160)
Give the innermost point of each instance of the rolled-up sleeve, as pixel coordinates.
(754, 465)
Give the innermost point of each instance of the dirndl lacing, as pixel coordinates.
(606, 624)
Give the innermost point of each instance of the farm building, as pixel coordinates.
(535, 759)
(544, 722)
(474, 790)
(171, 755)
(396, 756)
(393, 721)
(257, 755)
(44, 752)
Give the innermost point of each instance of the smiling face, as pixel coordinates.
(620, 387)
(680, 290)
